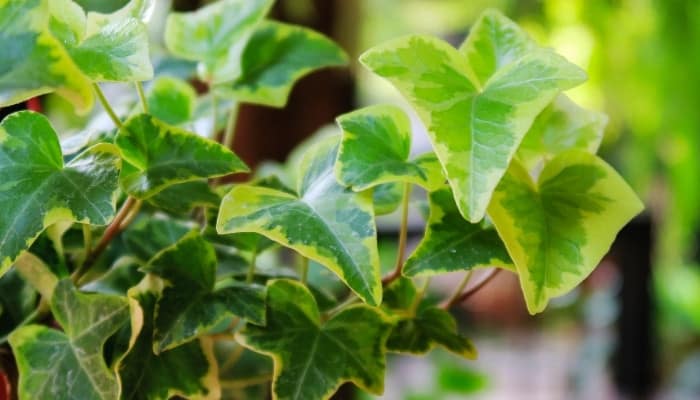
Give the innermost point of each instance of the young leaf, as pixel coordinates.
(39, 190)
(429, 328)
(387, 197)
(188, 371)
(190, 305)
(158, 155)
(312, 359)
(452, 244)
(475, 125)
(277, 56)
(172, 100)
(325, 222)
(557, 230)
(215, 35)
(33, 61)
(76, 368)
(375, 150)
(561, 126)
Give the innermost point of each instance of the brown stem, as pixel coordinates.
(464, 296)
(403, 233)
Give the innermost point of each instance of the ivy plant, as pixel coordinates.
(130, 269)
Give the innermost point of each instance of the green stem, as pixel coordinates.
(214, 114)
(419, 296)
(230, 132)
(463, 296)
(458, 291)
(403, 233)
(142, 96)
(87, 239)
(350, 300)
(251, 269)
(106, 106)
(304, 269)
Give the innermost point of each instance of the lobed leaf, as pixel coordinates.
(277, 56)
(452, 244)
(191, 305)
(324, 222)
(38, 190)
(34, 61)
(557, 229)
(476, 120)
(76, 368)
(375, 149)
(158, 155)
(313, 358)
(215, 36)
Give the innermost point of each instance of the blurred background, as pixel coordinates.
(632, 330)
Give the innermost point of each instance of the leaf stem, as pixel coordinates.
(105, 104)
(214, 114)
(142, 96)
(230, 132)
(464, 296)
(403, 233)
(87, 239)
(419, 296)
(458, 291)
(112, 230)
(251, 269)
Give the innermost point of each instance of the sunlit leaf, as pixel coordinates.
(563, 125)
(138, 9)
(313, 358)
(158, 155)
(33, 61)
(277, 56)
(375, 149)
(558, 228)
(475, 123)
(191, 305)
(451, 243)
(171, 100)
(325, 221)
(38, 190)
(76, 368)
(188, 371)
(215, 36)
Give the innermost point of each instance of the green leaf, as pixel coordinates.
(171, 100)
(475, 125)
(17, 301)
(150, 235)
(76, 368)
(563, 125)
(38, 190)
(191, 305)
(33, 61)
(430, 327)
(183, 197)
(375, 149)
(557, 229)
(188, 371)
(215, 35)
(277, 56)
(387, 197)
(158, 155)
(313, 358)
(452, 244)
(139, 9)
(325, 222)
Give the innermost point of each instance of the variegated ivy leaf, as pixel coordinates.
(138, 9)
(558, 228)
(313, 358)
(117, 51)
(452, 244)
(38, 190)
(476, 115)
(387, 197)
(188, 371)
(158, 155)
(33, 61)
(421, 327)
(375, 149)
(183, 197)
(324, 221)
(171, 100)
(76, 368)
(193, 303)
(278, 55)
(561, 126)
(215, 36)
(17, 301)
